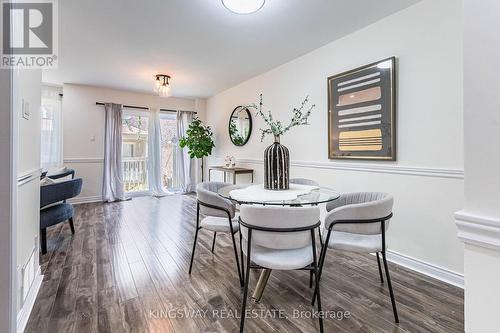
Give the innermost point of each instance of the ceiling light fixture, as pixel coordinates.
(243, 6)
(162, 85)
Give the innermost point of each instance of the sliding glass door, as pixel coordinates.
(169, 146)
(135, 150)
(135, 154)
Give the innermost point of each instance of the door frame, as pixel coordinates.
(8, 203)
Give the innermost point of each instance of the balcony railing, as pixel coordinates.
(135, 174)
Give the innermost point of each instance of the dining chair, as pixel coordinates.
(358, 222)
(310, 182)
(303, 181)
(279, 238)
(219, 216)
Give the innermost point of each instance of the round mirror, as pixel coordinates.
(240, 126)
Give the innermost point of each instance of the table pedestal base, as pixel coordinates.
(261, 284)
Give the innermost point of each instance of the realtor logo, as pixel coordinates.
(29, 34)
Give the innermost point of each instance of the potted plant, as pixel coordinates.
(199, 141)
(276, 156)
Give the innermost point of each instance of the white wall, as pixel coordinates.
(479, 222)
(427, 179)
(83, 128)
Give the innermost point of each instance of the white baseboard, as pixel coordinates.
(426, 268)
(25, 311)
(81, 200)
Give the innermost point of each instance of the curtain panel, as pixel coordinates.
(112, 187)
(185, 166)
(51, 129)
(154, 155)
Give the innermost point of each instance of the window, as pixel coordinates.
(51, 128)
(135, 150)
(128, 149)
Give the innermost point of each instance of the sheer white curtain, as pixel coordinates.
(185, 165)
(112, 187)
(154, 154)
(51, 129)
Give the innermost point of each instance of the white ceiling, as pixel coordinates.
(203, 46)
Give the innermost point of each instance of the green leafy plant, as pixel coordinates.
(300, 117)
(199, 140)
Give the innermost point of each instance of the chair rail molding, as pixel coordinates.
(29, 176)
(370, 167)
(478, 230)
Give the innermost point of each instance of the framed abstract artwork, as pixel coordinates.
(362, 112)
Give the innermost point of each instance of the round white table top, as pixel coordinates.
(297, 195)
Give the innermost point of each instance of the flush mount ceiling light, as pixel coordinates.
(243, 6)
(162, 85)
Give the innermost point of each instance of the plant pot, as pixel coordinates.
(276, 166)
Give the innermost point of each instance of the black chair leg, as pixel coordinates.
(320, 238)
(237, 261)
(43, 240)
(247, 278)
(393, 301)
(195, 236)
(316, 275)
(380, 269)
(213, 242)
(194, 248)
(321, 263)
(242, 259)
(71, 225)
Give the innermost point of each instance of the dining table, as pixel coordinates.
(296, 196)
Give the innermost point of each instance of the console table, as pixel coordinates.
(230, 170)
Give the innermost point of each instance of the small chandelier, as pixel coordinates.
(162, 85)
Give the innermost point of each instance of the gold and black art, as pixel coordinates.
(362, 111)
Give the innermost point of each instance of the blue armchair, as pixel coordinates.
(53, 206)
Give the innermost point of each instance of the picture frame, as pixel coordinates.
(362, 112)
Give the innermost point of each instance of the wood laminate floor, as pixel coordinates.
(125, 270)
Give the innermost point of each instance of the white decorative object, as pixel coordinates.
(258, 192)
(229, 161)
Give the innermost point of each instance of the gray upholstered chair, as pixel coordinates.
(219, 216)
(279, 238)
(357, 222)
(53, 206)
(303, 181)
(310, 182)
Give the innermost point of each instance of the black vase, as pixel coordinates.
(276, 166)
